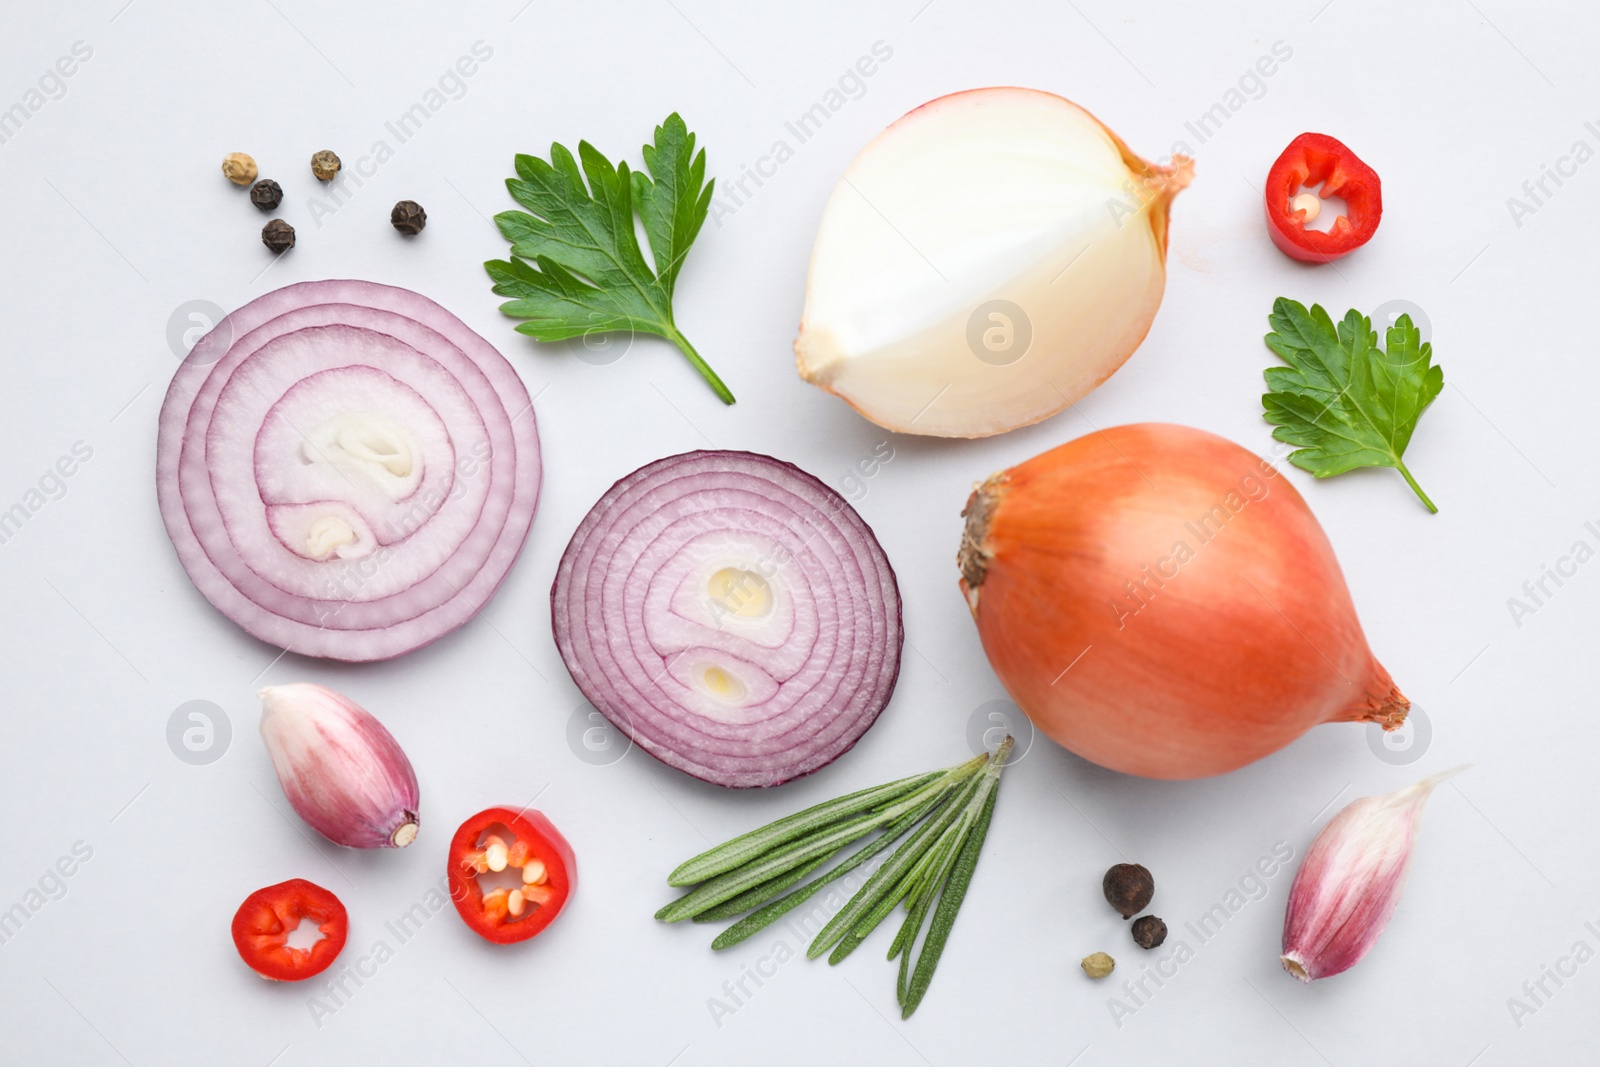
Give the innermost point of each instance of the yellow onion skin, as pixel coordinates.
(1162, 602)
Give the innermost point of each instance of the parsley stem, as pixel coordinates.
(1412, 482)
(723, 392)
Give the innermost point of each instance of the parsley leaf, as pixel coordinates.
(576, 268)
(1345, 402)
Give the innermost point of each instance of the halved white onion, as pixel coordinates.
(983, 263)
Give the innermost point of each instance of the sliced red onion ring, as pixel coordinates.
(346, 469)
(731, 614)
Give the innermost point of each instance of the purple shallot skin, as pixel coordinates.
(1350, 882)
(341, 769)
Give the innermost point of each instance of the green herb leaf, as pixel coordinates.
(929, 872)
(675, 204)
(576, 268)
(944, 916)
(908, 935)
(1342, 400)
(735, 853)
(727, 886)
(754, 898)
(880, 911)
(825, 842)
(886, 878)
(770, 914)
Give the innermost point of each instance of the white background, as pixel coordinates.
(114, 214)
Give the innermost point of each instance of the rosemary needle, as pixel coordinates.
(929, 872)
(732, 854)
(759, 920)
(762, 893)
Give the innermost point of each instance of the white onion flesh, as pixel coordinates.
(346, 469)
(732, 615)
(1003, 194)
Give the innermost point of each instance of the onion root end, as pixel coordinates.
(973, 557)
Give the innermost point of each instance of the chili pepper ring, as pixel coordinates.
(1311, 160)
(263, 923)
(525, 905)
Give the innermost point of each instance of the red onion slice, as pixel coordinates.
(346, 469)
(731, 614)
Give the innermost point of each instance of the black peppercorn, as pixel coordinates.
(1149, 931)
(1128, 888)
(278, 236)
(266, 194)
(408, 217)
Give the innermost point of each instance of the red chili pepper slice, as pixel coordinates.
(536, 851)
(263, 923)
(1312, 159)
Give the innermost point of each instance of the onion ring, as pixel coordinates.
(346, 469)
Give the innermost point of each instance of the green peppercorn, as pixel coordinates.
(266, 194)
(1097, 965)
(325, 165)
(408, 217)
(278, 236)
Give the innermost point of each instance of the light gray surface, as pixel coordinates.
(115, 215)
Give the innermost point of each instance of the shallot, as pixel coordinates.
(1350, 883)
(1163, 603)
(342, 770)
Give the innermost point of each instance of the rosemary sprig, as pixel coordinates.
(762, 893)
(828, 838)
(730, 854)
(950, 898)
(759, 920)
(947, 815)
